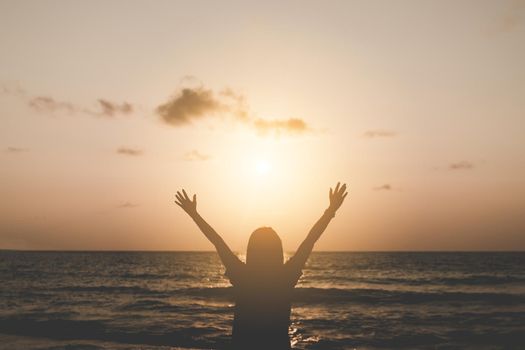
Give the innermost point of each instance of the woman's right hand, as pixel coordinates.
(183, 201)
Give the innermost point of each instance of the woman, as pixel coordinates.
(263, 285)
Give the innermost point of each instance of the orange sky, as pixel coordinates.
(108, 108)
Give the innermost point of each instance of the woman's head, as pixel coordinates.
(265, 249)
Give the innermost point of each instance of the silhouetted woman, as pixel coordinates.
(263, 285)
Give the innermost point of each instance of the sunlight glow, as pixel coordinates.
(263, 167)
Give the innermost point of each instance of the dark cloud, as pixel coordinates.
(127, 205)
(48, 104)
(129, 151)
(462, 165)
(188, 105)
(110, 109)
(379, 133)
(385, 187)
(196, 155)
(16, 150)
(198, 103)
(13, 90)
(292, 125)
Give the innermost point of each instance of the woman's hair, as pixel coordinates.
(264, 249)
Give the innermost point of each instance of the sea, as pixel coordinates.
(182, 300)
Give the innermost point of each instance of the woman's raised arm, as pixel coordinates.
(229, 259)
(337, 196)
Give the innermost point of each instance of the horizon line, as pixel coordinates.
(213, 251)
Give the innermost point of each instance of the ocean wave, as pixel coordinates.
(321, 295)
(199, 333)
(316, 295)
(301, 295)
(110, 289)
(472, 280)
(335, 295)
(150, 305)
(142, 276)
(102, 330)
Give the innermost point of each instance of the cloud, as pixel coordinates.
(188, 105)
(13, 90)
(461, 165)
(240, 105)
(105, 108)
(189, 79)
(379, 133)
(385, 187)
(191, 104)
(109, 109)
(16, 150)
(48, 104)
(127, 205)
(292, 125)
(196, 155)
(129, 151)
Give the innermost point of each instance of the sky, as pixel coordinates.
(107, 108)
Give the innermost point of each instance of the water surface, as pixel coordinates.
(162, 300)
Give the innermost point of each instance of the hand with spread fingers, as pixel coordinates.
(183, 201)
(337, 196)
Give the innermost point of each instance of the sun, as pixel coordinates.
(262, 167)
